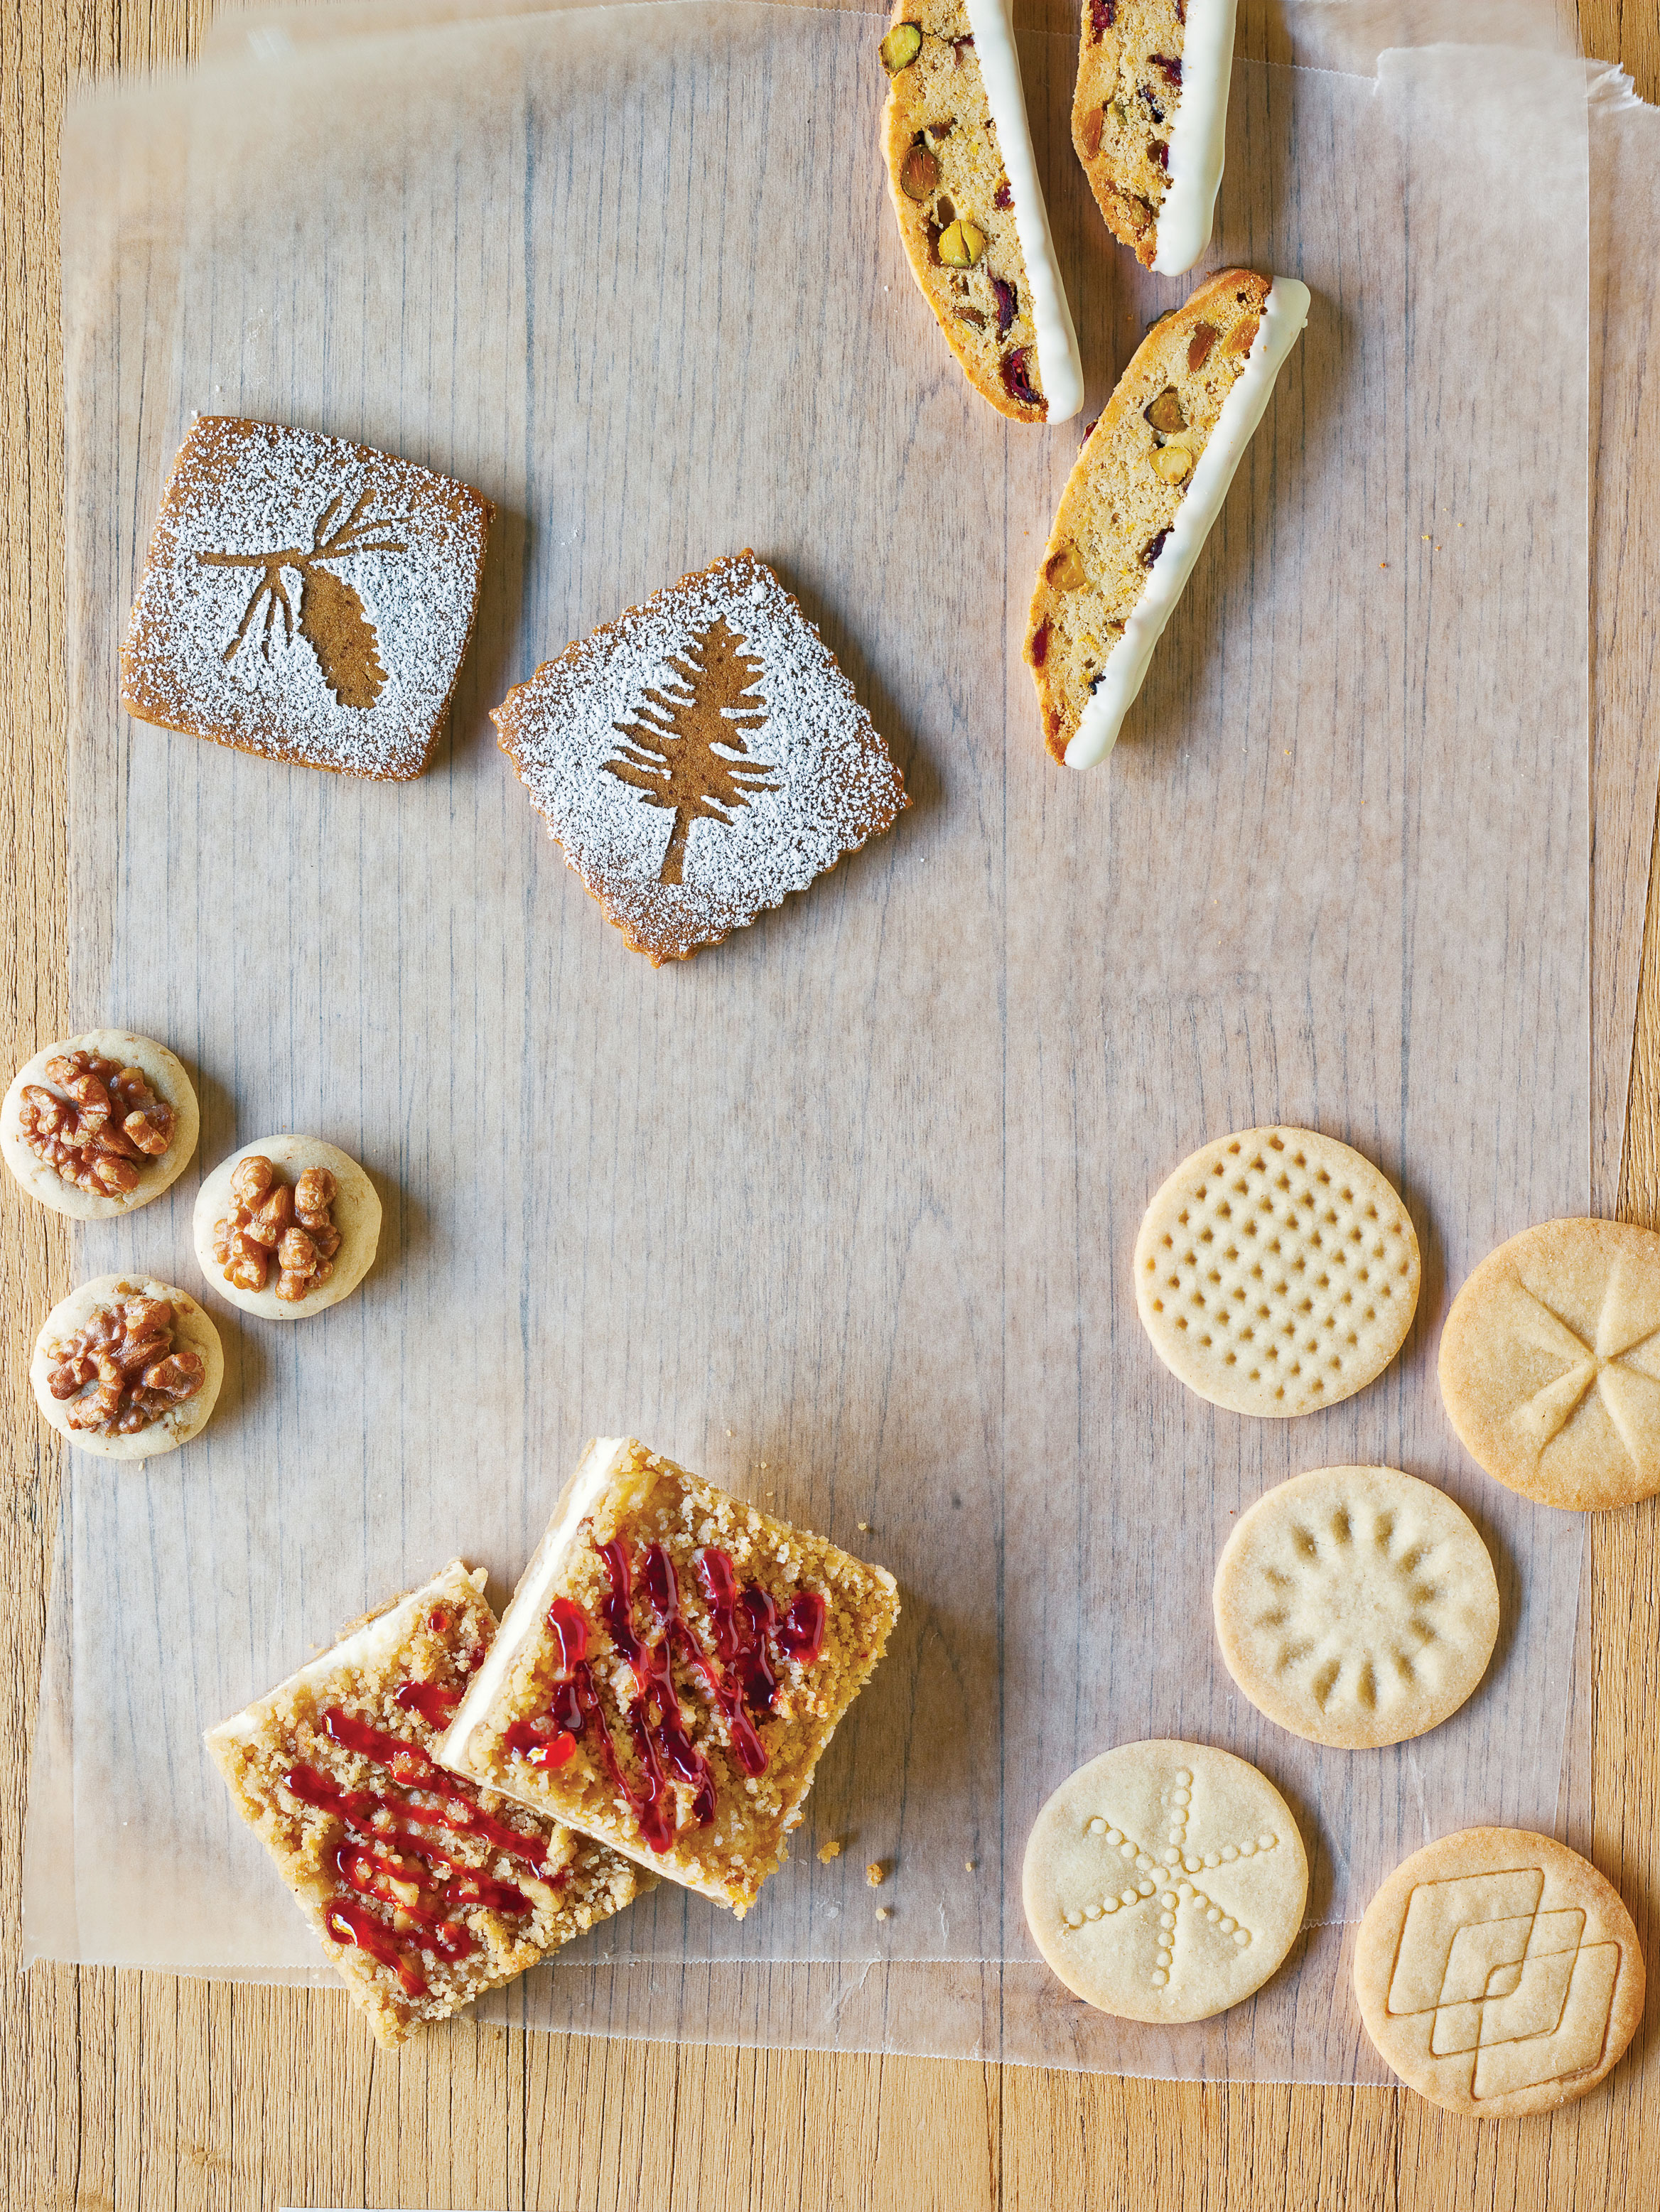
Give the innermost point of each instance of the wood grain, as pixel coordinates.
(136, 2090)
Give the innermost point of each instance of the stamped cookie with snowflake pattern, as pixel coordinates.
(699, 759)
(1164, 1881)
(305, 599)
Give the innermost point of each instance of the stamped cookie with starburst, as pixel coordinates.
(305, 599)
(699, 759)
(1165, 1881)
(1356, 1606)
(1550, 1363)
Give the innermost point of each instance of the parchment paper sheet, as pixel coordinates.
(839, 1213)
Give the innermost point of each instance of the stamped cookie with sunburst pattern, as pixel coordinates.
(1356, 1606)
(1550, 1363)
(1276, 1271)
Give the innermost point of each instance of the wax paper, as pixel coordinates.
(841, 1213)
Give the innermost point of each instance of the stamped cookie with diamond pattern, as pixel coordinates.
(1164, 1881)
(1498, 1974)
(1276, 1271)
(1550, 1363)
(1356, 1606)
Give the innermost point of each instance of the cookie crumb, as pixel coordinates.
(830, 1850)
(882, 1913)
(876, 1874)
(863, 1527)
(969, 1865)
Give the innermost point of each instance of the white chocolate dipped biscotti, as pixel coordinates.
(963, 181)
(1142, 497)
(1149, 120)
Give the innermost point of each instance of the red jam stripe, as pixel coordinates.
(739, 1679)
(385, 1854)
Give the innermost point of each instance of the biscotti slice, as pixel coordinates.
(963, 181)
(699, 759)
(670, 1671)
(1149, 120)
(425, 1890)
(305, 599)
(1141, 498)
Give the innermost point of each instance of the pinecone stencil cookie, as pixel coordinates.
(699, 759)
(305, 599)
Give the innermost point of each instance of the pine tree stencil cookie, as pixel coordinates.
(699, 759)
(678, 753)
(305, 599)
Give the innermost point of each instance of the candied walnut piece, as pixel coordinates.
(125, 1353)
(293, 1222)
(100, 1134)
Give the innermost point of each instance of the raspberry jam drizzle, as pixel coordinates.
(739, 1679)
(385, 1854)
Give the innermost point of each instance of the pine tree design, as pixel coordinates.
(671, 758)
(333, 620)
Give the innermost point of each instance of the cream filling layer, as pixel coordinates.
(1198, 138)
(1283, 317)
(1059, 368)
(376, 1639)
(530, 1600)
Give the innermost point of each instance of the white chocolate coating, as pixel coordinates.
(1285, 312)
(1059, 367)
(167, 1079)
(193, 1331)
(356, 1216)
(1198, 138)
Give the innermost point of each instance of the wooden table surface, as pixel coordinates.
(136, 2090)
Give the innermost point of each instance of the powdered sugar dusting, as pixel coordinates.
(247, 489)
(830, 782)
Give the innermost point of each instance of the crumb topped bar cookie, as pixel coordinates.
(699, 759)
(305, 599)
(963, 181)
(1141, 498)
(99, 1125)
(670, 1671)
(127, 1367)
(1149, 120)
(424, 1890)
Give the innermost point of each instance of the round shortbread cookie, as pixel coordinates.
(1356, 1606)
(357, 1213)
(1498, 1974)
(1276, 1271)
(165, 1077)
(1550, 1363)
(193, 1331)
(1165, 1881)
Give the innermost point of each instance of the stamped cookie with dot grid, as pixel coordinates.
(1550, 1363)
(1356, 1606)
(1276, 1271)
(1164, 1881)
(305, 599)
(699, 759)
(1499, 1973)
